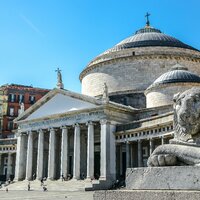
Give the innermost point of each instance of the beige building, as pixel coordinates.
(124, 112)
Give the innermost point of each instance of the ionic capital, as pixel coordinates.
(89, 123)
(76, 125)
(104, 121)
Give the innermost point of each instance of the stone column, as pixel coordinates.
(151, 146)
(64, 153)
(76, 167)
(40, 155)
(127, 155)
(131, 155)
(140, 153)
(105, 146)
(29, 160)
(0, 165)
(90, 151)
(51, 160)
(9, 167)
(162, 140)
(120, 158)
(20, 158)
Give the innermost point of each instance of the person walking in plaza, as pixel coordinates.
(29, 186)
(42, 182)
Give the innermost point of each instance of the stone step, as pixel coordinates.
(72, 185)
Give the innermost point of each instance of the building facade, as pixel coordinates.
(13, 98)
(124, 112)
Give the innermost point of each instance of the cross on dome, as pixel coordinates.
(147, 16)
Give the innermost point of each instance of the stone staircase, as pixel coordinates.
(71, 185)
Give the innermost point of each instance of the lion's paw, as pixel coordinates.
(162, 160)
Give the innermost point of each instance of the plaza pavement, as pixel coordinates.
(66, 190)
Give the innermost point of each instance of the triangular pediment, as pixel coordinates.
(58, 102)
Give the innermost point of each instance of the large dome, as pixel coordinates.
(132, 65)
(149, 36)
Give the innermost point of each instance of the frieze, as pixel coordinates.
(63, 121)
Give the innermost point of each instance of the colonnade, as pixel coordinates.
(24, 159)
(9, 165)
(136, 160)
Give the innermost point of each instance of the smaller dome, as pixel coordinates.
(178, 74)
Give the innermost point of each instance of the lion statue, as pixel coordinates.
(184, 149)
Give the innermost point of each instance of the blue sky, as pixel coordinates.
(37, 36)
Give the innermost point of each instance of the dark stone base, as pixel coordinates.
(146, 195)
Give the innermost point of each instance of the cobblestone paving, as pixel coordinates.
(49, 195)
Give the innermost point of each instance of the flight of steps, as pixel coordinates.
(71, 185)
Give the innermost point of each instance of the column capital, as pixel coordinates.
(40, 130)
(20, 134)
(89, 123)
(76, 125)
(30, 132)
(104, 121)
(64, 127)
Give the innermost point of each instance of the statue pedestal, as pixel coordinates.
(146, 195)
(157, 183)
(163, 178)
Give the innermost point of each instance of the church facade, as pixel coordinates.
(124, 112)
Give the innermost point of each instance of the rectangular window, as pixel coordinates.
(5, 160)
(10, 125)
(145, 151)
(11, 111)
(32, 99)
(19, 112)
(12, 97)
(21, 98)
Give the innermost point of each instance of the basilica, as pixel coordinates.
(124, 111)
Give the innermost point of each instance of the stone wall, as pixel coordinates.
(136, 100)
(124, 71)
(163, 95)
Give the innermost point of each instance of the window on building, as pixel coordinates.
(21, 98)
(145, 151)
(5, 160)
(11, 111)
(18, 111)
(12, 97)
(10, 125)
(32, 99)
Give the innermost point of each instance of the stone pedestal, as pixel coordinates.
(163, 178)
(146, 195)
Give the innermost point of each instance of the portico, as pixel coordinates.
(68, 143)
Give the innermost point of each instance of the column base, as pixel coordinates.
(76, 179)
(28, 179)
(50, 179)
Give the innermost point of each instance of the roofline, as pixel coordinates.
(52, 93)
